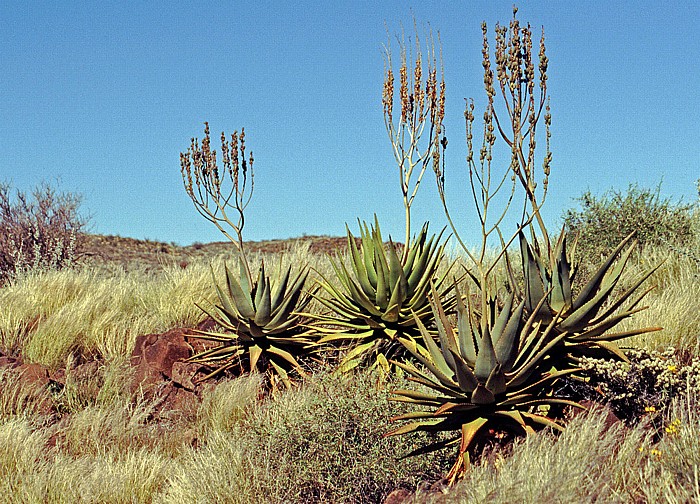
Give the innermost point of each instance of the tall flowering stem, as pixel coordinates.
(417, 131)
(217, 190)
(521, 79)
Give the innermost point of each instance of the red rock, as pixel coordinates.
(8, 362)
(33, 379)
(183, 374)
(207, 324)
(398, 496)
(33, 375)
(154, 355)
(173, 402)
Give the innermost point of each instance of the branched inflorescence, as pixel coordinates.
(418, 134)
(213, 190)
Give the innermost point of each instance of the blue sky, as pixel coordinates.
(103, 96)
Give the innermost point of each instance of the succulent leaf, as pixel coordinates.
(472, 395)
(381, 292)
(273, 326)
(507, 345)
(242, 300)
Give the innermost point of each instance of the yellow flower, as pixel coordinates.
(672, 428)
(650, 409)
(673, 368)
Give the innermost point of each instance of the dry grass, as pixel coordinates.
(588, 462)
(88, 314)
(321, 442)
(673, 304)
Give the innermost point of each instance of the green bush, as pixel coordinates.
(603, 222)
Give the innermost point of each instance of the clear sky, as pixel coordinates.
(103, 96)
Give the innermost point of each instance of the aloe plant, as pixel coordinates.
(480, 377)
(588, 316)
(261, 322)
(380, 297)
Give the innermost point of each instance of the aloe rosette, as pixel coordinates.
(380, 297)
(262, 324)
(490, 373)
(589, 316)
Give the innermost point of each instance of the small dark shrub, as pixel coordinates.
(603, 222)
(647, 384)
(41, 230)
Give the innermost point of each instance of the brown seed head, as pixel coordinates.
(544, 62)
(403, 90)
(418, 93)
(502, 75)
(486, 62)
(469, 119)
(546, 165)
(234, 158)
(388, 94)
(529, 70)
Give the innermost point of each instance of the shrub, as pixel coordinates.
(602, 222)
(647, 384)
(38, 231)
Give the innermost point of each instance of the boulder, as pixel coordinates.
(398, 496)
(154, 356)
(32, 376)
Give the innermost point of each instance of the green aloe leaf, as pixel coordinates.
(464, 330)
(243, 276)
(496, 383)
(281, 290)
(446, 335)
(418, 397)
(485, 359)
(368, 255)
(561, 299)
(435, 352)
(396, 274)
(287, 356)
(425, 357)
(433, 447)
(358, 295)
(241, 298)
(290, 302)
(502, 319)
(507, 345)
(255, 352)
(397, 297)
(594, 283)
(482, 396)
(263, 303)
(469, 432)
(260, 286)
(534, 288)
(360, 268)
(465, 377)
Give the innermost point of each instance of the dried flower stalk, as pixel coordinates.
(214, 190)
(511, 73)
(416, 135)
(525, 100)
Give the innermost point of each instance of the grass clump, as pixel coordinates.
(322, 442)
(591, 461)
(48, 317)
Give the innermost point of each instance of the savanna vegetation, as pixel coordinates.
(496, 374)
